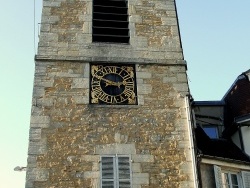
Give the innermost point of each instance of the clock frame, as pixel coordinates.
(113, 84)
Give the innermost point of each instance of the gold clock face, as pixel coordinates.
(113, 84)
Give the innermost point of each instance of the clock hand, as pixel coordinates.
(112, 83)
(109, 82)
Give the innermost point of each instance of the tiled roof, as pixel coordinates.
(218, 147)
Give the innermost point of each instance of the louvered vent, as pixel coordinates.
(124, 172)
(108, 172)
(110, 21)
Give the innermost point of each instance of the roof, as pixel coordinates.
(218, 147)
(208, 103)
(244, 75)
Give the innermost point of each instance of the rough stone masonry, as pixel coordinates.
(68, 135)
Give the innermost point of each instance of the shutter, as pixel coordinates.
(124, 172)
(246, 179)
(107, 167)
(217, 175)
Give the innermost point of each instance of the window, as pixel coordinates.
(211, 130)
(110, 21)
(115, 172)
(231, 179)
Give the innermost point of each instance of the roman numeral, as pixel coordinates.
(128, 92)
(110, 69)
(113, 100)
(95, 83)
(122, 99)
(130, 85)
(126, 77)
(104, 97)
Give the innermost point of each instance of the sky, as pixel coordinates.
(215, 40)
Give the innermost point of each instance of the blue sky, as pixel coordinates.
(215, 39)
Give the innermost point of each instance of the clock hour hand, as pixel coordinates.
(108, 82)
(112, 83)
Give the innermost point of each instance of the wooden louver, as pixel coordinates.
(115, 172)
(110, 21)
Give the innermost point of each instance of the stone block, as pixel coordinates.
(142, 158)
(140, 178)
(141, 100)
(180, 87)
(35, 134)
(38, 92)
(81, 99)
(80, 83)
(122, 149)
(36, 148)
(90, 158)
(37, 174)
(86, 73)
(182, 77)
(143, 75)
(169, 79)
(31, 161)
(169, 21)
(91, 174)
(40, 120)
(47, 102)
(144, 89)
(136, 167)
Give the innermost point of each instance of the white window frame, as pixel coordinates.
(229, 176)
(116, 178)
(243, 178)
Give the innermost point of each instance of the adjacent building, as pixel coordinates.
(222, 137)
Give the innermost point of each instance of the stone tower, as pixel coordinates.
(109, 101)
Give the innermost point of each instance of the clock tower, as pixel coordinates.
(109, 107)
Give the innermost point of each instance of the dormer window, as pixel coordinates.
(110, 21)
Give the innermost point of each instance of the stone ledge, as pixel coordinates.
(143, 61)
(122, 149)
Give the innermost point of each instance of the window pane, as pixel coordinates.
(107, 168)
(124, 167)
(234, 180)
(212, 132)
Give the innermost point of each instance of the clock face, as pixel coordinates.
(113, 84)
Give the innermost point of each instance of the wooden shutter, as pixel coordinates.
(107, 172)
(124, 172)
(217, 175)
(246, 179)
